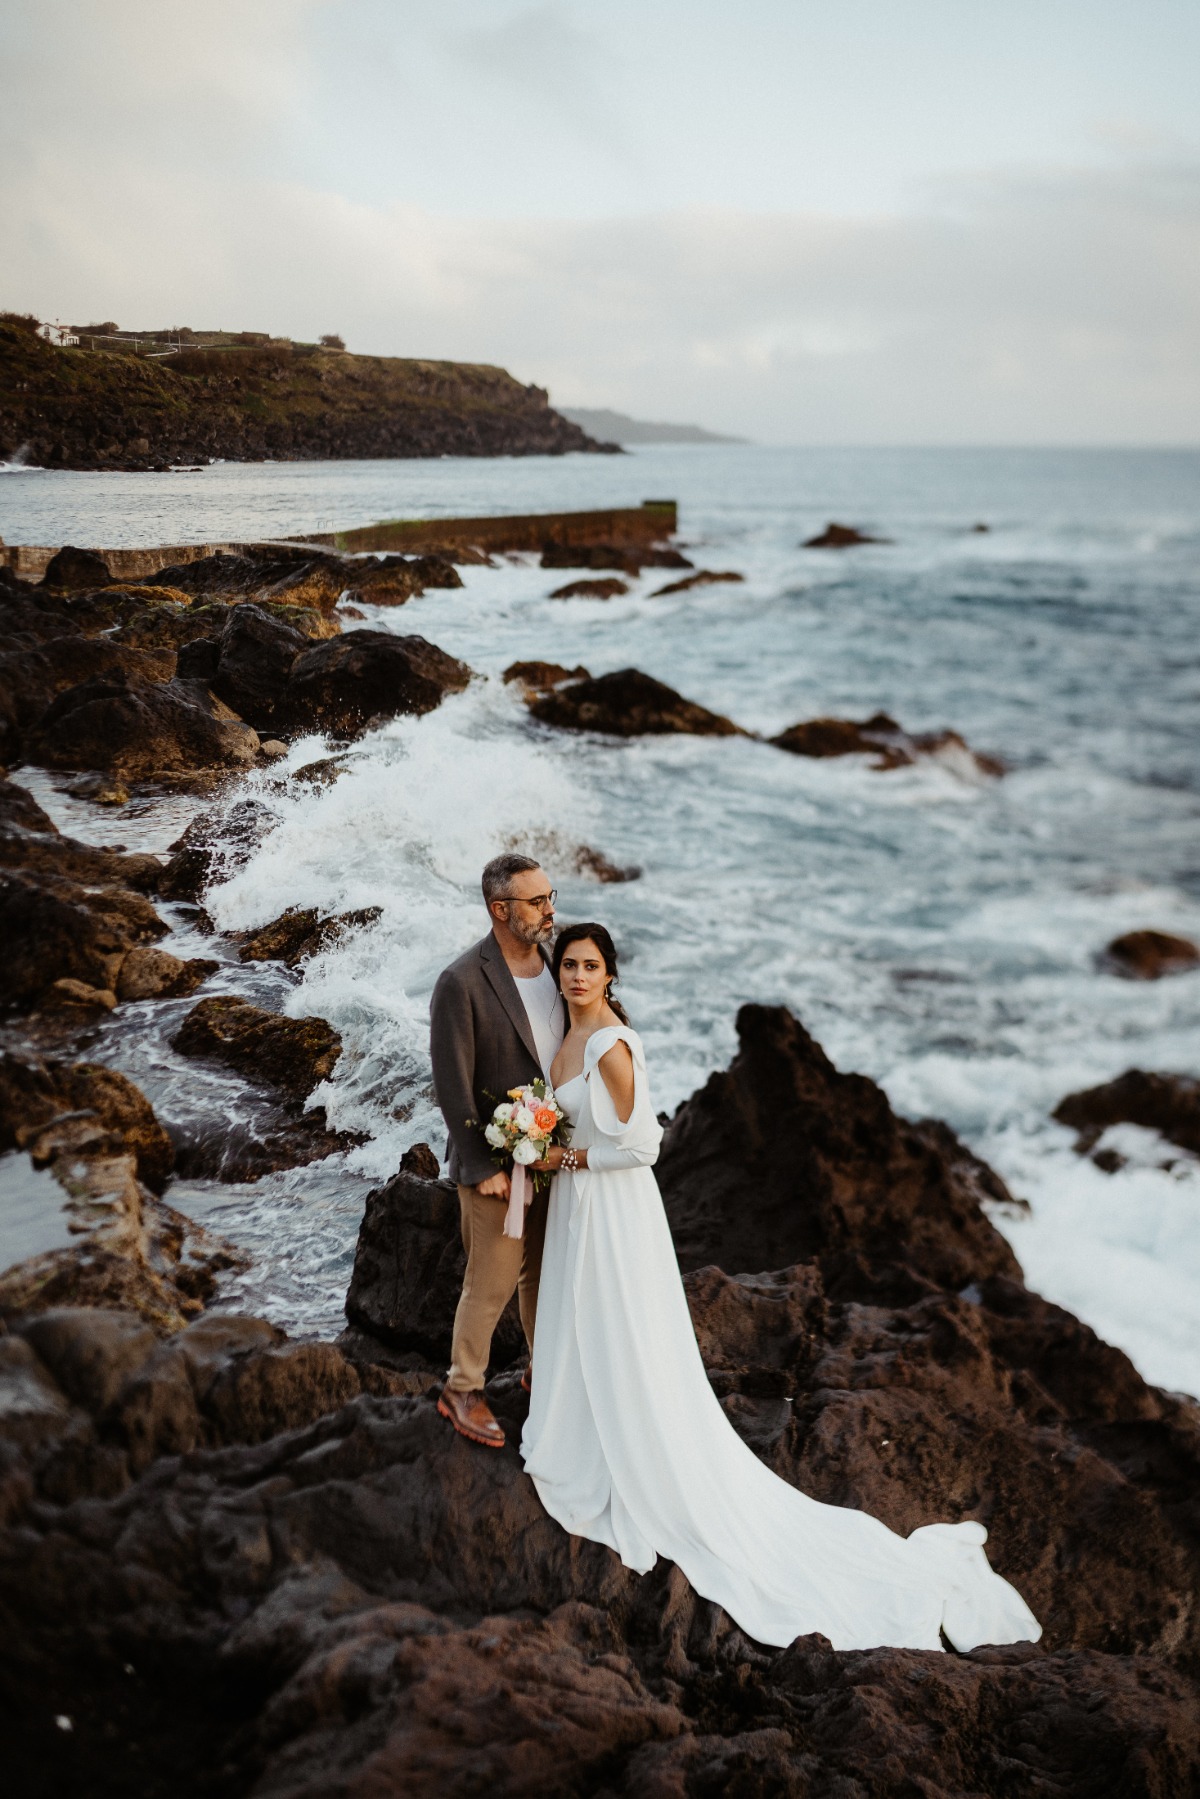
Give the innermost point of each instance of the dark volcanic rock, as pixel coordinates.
(141, 732)
(74, 571)
(591, 590)
(540, 675)
(1167, 1103)
(302, 932)
(630, 558)
(881, 737)
(294, 1054)
(214, 842)
(248, 665)
(36, 1093)
(781, 1159)
(30, 679)
(148, 973)
(627, 703)
(704, 577)
(1148, 955)
(330, 1592)
(839, 537)
(344, 685)
(408, 1269)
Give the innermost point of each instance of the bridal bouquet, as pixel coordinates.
(524, 1126)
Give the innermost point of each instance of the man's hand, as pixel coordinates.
(496, 1186)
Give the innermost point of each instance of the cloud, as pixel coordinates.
(1051, 305)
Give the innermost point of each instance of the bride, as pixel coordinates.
(626, 1442)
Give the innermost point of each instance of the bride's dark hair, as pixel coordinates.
(590, 933)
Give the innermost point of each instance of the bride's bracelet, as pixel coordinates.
(570, 1160)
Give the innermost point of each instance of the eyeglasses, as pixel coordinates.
(543, 901)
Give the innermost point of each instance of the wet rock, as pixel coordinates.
(419, 1159)
(141, 732)
(32, 1407)
(540, 676)
(704, 577)
(30, 679)
(888, 743)
(68, 995)
(91, 1353)
(630, 558)
(591, 590)
(1149, 955)
(36, 1091)
(840, 537)
(408, 1270)
(301, 932)
(214, 842)
(628, 703)
(393, 580)
(248, 665)
(597, 867)
(344, 686)
(1167, 1103)
(280, 1389)
(56, 929)
(148, 973)
(73, 571)
(294, 1054)
(781, 1159)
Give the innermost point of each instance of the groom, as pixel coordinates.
(496, 1022)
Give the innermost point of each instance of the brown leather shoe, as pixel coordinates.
(472, 1417)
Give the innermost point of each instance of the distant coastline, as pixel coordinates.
(617, 427)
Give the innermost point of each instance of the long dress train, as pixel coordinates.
(627, 1444)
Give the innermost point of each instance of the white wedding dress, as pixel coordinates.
(627, 1444)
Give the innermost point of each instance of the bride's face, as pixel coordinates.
(582, 974)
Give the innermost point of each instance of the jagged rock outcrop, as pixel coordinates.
(301, 932)
(703, 577)
(141, 732)
(320, 1588)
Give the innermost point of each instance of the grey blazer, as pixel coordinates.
(481, 1044)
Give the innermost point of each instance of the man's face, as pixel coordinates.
(528, 912)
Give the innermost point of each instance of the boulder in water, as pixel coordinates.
(294, 1054)
(703, 577)
(887, 742)
(1167, 1103)
(608, 589)
(628, 703)
(840, 537)
(349, 683)
(1149, 955)
(301, 932)
(149, 973)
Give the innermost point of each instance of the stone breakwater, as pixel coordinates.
(230, 1562)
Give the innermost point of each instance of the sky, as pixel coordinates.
(885, 221)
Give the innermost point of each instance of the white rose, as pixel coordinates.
(502, 1113)
(495, 1136)
(523, 1118)
(525, 1153)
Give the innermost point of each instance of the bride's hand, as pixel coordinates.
(553, 1159)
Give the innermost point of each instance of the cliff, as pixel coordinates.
(89, 408)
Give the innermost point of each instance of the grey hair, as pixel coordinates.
(500, 871)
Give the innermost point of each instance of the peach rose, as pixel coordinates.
(545, 1118)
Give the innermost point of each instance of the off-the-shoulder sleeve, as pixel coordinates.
(617, 1145)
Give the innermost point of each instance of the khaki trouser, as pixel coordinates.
(496, 1267)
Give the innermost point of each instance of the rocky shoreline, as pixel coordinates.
(235, 1563)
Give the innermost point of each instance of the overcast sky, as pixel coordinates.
(880, 221)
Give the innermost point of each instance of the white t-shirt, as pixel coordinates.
(543, 1006)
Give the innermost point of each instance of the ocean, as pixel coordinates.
(933, 928)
